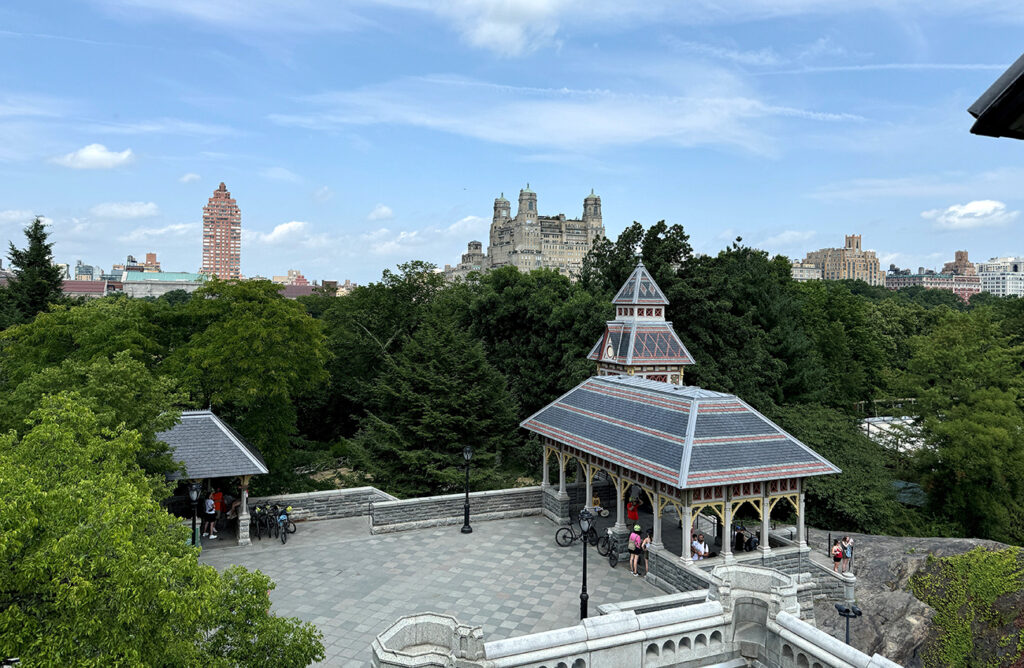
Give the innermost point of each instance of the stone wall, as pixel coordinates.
(327, 505)
(407, 514)
(668, 573)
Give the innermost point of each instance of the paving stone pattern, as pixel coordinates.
(508, 576)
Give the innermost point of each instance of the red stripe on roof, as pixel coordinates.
(664, 402)
(736, 475)
(739, 439)
(622, 423)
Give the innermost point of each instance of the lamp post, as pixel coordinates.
(193, 495)
(848, 612)
(586, 519)
(467, 454)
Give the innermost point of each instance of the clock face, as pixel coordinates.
(609, 351)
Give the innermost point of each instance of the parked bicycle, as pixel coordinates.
(568, 535)
(608, 546)
(284, 523)
(261, 521)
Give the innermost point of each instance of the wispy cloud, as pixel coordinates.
(264, 16)
(191, 177)
(381, 212)
(1004, 182)
(16, 216)
(95, 156)
(760, 58)
(162, 126)
(787, 239)
(125, 210)
(972, 215)
(280, 174)
(909, 67)
(167, 231)
(322, 194)
(284, 232)
(565, 119)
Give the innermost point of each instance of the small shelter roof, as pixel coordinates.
(210, 448)
(684, 436)
(640, 342)
(640, 289)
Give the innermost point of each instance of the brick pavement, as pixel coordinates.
(507, 576)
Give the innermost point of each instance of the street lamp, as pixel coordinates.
(193, 495)
(848, 612)
(467, 454)
(586, 519)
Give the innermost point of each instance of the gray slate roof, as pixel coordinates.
(640, 288)
(210, 448)
(640, 342)
(684, 436)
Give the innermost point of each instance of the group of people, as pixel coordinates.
(638, 539)
(215, 506)
(842, 553)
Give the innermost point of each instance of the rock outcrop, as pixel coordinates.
(895, 623)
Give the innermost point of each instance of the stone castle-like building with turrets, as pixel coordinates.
(531, 241)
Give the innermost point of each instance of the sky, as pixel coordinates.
(359, 135)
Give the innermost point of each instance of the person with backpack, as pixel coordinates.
(837, 555)
(635, 548)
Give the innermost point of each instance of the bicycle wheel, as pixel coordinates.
(291, 526)
(602, 546)
(613, 557)
(284, 536)
(592, 536)
(564, 536)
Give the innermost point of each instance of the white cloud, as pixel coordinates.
(188, 178)
(1003, 182)
(557, 119)
(760, 58)
(125, 210)
(168, 231)
(16, 216)
(381, 212)
(163, 126)
(979, 213)
(95, 156)
(322, 194)
(280, 174)
(787, 239)
(289, 231)
(468, 225)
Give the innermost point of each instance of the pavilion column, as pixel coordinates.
(562, 457)
(656, 538)
(243, 513)
(588, 473)
(766, 514)
(727, 526)
(687, 555)
(547, 458)
(801, 512)
(620, 503)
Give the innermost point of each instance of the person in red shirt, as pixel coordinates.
(633, 510)
(218, 501)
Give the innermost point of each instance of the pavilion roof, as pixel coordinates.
(640, 342)
(684, 436)
(210, 448)
(641, 289)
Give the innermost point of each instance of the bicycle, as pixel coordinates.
(285, 524)
(608, 546)
(568, 535)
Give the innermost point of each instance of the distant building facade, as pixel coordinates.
(1002, 276)
(292, 277)
(531, 241)
(848, 263)
(960, 266)
(805, 271)
(963, 286)
(222, 236)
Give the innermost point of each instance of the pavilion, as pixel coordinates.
(209, 448)
(692, 449)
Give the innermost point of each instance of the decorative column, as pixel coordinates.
(656, 539)
(562, 457)
(687, 555)
(588, 473)
(243, 513)
(544, 479)
(766, 514)
(620, 503)
(727, 526)
(801, 527)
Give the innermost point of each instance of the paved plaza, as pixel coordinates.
(507, 576)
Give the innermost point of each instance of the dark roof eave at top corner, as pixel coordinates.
(999, 111)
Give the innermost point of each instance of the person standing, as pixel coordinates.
(699, 548)
(644, 550)
(634, 547)
(837, 555)
(209, 518)
(847, 553)
(633, 510)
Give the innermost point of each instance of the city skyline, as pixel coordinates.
(357, 138)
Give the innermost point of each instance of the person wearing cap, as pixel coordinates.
(634, 545)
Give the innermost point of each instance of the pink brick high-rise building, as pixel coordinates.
(222, 236)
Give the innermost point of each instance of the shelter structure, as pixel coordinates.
(695, 450)
(210, 448)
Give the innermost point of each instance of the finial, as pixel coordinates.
(527, 185)
(502, 194)
(591, 191)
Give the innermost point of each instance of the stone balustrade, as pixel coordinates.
(430, 511)
(330, 504)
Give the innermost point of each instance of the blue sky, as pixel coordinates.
(357, 135)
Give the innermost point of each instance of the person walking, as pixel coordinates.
(209, 518)
(837, 555)
(847, 553)
(634, 547)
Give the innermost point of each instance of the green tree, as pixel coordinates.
(97, 573)
(435, 396)
(37, 282)
(967, 378)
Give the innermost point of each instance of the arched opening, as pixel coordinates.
(579, 663)
(716, 638)
(801, 661)
(684, 643)
(669, 648)
(816, 665)
(652, 651)
(788, 660)
(701, 641)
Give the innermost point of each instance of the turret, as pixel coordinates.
(527, 205)
(502, 210)
(592, 209)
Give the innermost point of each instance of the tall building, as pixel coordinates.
(222, 236)
(532, 241)
(960, 266)
(1002, 276)
(850, 262)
